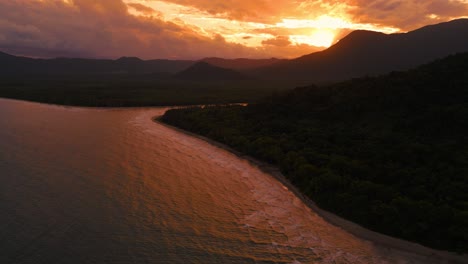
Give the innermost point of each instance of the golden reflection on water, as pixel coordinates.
(111, 186)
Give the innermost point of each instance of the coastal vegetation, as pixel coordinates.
(388, 152)
(125, 90)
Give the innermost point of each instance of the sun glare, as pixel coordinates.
(320, 32)
(319, 38)
(323, 38)
(321, 22)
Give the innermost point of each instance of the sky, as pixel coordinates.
(194, 29)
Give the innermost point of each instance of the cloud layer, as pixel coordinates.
(192, 29)
(407, 14)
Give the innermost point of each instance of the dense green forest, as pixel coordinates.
(118, 90)
(388, 152)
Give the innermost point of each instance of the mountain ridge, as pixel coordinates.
(363, 53)
(241, 64)
(14, 65)
(358, 54)
(204, 71)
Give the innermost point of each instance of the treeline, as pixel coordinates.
(389, 153)
(123, 90)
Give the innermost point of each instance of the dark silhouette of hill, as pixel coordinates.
(15, 65)
(387, 152)
(370, 53)
(203, 71)
(241, 64)
(4, 55)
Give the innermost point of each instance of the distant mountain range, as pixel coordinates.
(10, 64)
(204, 71)
(358, 54)
(242, 64)
(371, 53)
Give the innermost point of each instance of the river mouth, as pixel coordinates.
(85, 185)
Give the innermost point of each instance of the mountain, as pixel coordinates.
(358, 54)
(4, 55)
(241, 64)
(203, 71)
(370, 53)
(15, 65)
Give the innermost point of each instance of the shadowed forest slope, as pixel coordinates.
(203, 71)
(241, 64)
(390, 153)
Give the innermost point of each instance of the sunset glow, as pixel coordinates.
(200, 28)
(319, 38)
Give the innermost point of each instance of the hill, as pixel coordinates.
(203, 71)
(389, 153)
(370, 53)
(15, 65)
(241, 64)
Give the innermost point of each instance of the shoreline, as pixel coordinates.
(168, 106)
(412, 249)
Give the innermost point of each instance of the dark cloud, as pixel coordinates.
(89, 28)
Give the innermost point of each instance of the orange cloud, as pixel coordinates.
(254, 11)
(409, 14)
(280, 41)
(203, 28)
(143, 9)
(88, 28)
